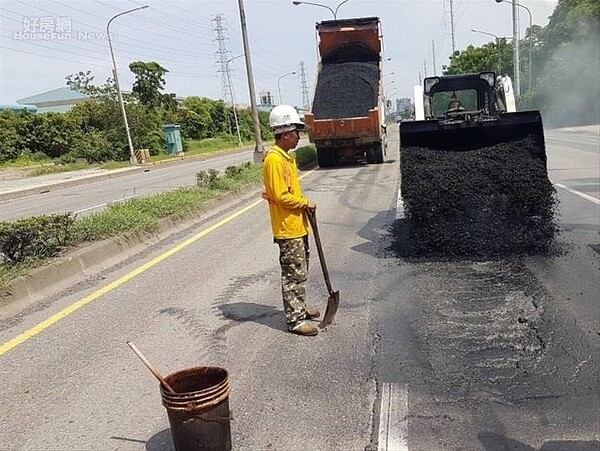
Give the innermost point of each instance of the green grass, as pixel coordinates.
(202, 146)
(145, 213)
(56, 168)
(142, 214)
(115, 165)
(28, 160)
(305, 155)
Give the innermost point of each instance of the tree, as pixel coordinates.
(149, 82)
(211, 116)
(492, 56)
(83, 82)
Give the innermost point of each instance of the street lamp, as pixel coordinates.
(334, 12)
(279, 85)
(497, 45)
(516, 3)
(235, 117)
(132, 158)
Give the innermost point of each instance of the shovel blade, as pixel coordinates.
(333, 303)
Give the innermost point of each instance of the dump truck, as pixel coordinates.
(346, 121)
(473, 170)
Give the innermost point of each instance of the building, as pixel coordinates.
(17, 107)
(266, 101)
(403, 106)
(56, 100)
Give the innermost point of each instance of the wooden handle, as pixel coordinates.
(150, 367)
(312, 219)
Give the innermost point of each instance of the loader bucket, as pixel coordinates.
(435, 135)
(476, 188)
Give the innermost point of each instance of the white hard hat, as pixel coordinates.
(284, 118)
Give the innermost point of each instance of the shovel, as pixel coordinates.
(334, 296)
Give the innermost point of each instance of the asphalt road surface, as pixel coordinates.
(465, 355)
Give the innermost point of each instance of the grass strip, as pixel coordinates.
(144, 214)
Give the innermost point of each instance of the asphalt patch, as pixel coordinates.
(486, 202)
(346, 90)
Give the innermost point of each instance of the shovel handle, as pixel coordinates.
(312, 219)
(150, 367)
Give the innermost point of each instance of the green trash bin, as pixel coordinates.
(173, 139)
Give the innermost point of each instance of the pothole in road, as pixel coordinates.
(480, 327)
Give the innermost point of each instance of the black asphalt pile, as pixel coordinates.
(346, 90)
(488, 202)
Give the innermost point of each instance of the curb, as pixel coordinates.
(91, 259)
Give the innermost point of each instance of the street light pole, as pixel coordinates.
(258, 148)
(132, 158)
(334, 12)
(279, 85)
(497, 45)
(338, 7)
(530, 37)
(235, 117)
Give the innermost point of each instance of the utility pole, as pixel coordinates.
(452, 26)
(516, 52)
(258, 148)
(233, 106)
(303, 86)
(132, 157)
(433, 52)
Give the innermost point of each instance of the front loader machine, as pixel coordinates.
(473, 171)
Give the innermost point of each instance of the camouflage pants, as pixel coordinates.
(293, 258)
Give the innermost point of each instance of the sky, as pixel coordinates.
(181, 36)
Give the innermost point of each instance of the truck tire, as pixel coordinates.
(378, 153)
(326, 158)
(370, 155)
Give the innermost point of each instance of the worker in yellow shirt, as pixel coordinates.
(287, 207)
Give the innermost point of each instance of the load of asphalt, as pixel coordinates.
(346, 90)
(487, 202)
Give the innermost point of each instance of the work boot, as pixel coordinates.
(312, 313)
(303, 328)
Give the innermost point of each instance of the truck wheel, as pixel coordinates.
(326, 158)
(378, 153)
(370, 155)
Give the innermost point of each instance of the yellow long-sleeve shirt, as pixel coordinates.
(286, 201)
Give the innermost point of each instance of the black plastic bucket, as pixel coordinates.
(199, 412)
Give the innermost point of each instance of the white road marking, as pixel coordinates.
(572, 141)
(578, 193)
(393, 418)
(110, 202)
(399, 206)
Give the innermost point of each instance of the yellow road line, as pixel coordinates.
(40, 327)
(21, 338)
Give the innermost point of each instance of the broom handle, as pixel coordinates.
(150, 367)
(312, 219)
